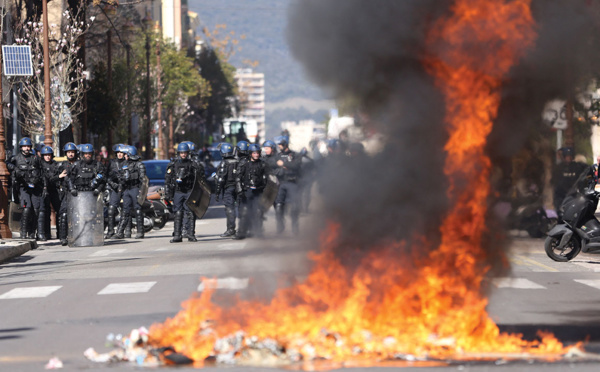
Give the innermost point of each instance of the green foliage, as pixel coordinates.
(104, 107)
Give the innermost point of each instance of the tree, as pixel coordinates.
(67, 84)
(104, 107)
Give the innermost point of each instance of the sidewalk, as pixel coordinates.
(10, 248)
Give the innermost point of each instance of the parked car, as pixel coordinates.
(156, 171)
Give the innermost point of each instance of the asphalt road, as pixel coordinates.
(58, 301)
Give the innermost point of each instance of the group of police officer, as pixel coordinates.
(39, 182)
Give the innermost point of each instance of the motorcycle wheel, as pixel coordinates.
(160, 222)
(570, 251)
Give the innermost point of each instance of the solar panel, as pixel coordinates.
(17, 60)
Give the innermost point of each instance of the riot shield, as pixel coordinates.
(199, 198)
(85, 214)
(270, 193)
(143, 191)
(14, 216)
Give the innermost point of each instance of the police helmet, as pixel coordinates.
(303, 152)
(226, 149)
(183, 147)
(333, 144)
(270, 144)
(25, 141)
(119, 147)
(46, 150)
(70, 146)
(567, 151)
(79, 147)
(86, 148)
(191, 145)
(242, 147)
(254, 148)
(130, 150)
(282, 140)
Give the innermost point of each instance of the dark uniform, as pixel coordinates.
(86, 176)
(66, 165)
(252, 176)
(564, 177)
(53, 193)
(227, 186)
(115, 188)
(179, 181)
(288, 195)
(132, 174)
(28, 178)
(189, 218)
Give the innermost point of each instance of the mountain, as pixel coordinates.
(263, 23)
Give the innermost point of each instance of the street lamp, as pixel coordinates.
(147, 22)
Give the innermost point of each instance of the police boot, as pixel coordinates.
(62, 229)
(110, 223)
(189, 227)
(25, 224)
(47, 229)
(279, 214)
(230, 213)
(128, 227)
(178, 220)
(139, 221)
(243, 226)
(121, 228)
(41, 225)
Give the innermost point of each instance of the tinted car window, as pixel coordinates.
(156, 170)
(215, 155)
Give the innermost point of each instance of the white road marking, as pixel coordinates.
(106, 252)
(588, 265)
(30, 292)
(231, 246)
(594, 283)
(162, 249)
(119, 288)
(225, 283)
(517, 283)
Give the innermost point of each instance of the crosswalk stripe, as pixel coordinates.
(119, 288)
(231, 246)
(30, 292)
(516, 283)
(589, 265)
(224, 283)
(594, 283)
(106, 252)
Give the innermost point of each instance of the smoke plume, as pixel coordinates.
(372, 52)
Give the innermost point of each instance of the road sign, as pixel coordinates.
(17, 60)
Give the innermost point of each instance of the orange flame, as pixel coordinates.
(426, 305)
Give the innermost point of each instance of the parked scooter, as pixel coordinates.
(156, 212)
(580, 231)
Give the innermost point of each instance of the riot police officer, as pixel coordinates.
(242, 151)
(179, 182)
(71, 152)
(189, 218)
(288, 172)
(86, 174)
(52, 195)
(252, 177)
(227, 184)
(27, 172)
(132, 174)
(270, 158)
(115, 187)
(564, 177)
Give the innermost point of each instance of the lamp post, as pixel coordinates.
(159, 100)
(5, 232)
(147, 21)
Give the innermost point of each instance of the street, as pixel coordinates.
(58, 301)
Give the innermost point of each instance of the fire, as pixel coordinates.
(426, 305)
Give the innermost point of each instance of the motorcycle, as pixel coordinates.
(580, 231)
(156, 212)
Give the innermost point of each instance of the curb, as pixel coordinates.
(10, 248)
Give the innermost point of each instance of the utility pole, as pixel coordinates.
(158, 98)
(47, 97)
(109, 76)
(129, 118)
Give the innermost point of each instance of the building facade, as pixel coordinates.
(252, 95)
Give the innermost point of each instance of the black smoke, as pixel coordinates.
(372, 51)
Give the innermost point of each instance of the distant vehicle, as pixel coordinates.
(241, 129)
(156, 171)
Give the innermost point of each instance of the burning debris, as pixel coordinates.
(411, 300)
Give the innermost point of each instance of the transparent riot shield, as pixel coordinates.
(85, 214)
(270, 193)
(199, 198)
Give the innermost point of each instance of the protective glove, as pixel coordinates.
(74, 192)
(96, 192)
(44, 194)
